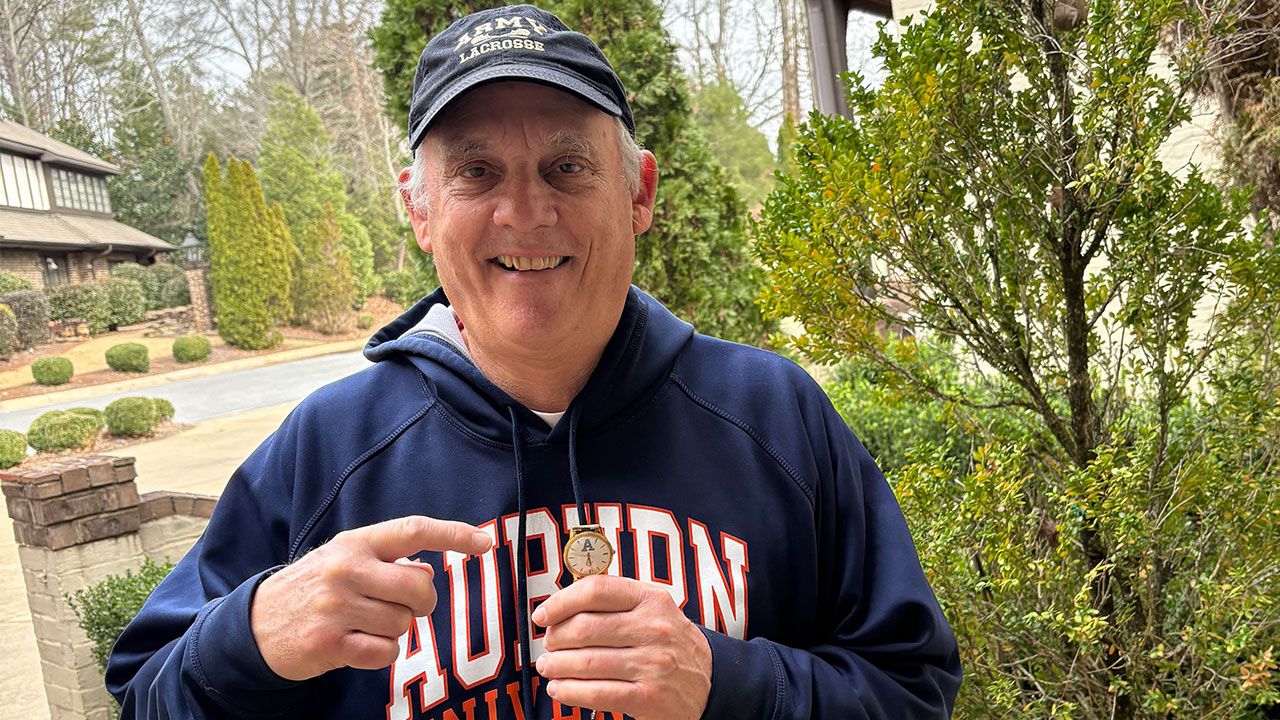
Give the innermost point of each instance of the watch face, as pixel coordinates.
(588, 553)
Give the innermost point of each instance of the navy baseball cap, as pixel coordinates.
(520, 42)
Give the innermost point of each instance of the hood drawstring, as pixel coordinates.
(527, 698)
(573, 467)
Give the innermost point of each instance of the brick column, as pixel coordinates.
(200, 311)
(76, 521)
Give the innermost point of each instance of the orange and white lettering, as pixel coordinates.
(645, 523)
(418, 664)
(542, 584)
(471, 670)
(724, 604)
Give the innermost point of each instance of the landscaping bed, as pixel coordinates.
(106, 443)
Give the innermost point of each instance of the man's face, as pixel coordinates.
(530, 221)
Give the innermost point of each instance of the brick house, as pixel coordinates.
(56, 225)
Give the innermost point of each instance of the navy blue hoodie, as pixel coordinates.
(720, 472)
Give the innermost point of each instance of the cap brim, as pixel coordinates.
(553, 77)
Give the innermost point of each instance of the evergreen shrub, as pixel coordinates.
(61, 430)
(8, 332)
(175, 293)
(130, 416)
(128, 357)
(89, 412)
(128, 302)
(405, 287)
(106, 608)
(52, 370)
(190, 348)
(10, 282)
(13, 448)
(164, 409)
(160, 277)
(89, 302)
(364, 321)
(31, 308)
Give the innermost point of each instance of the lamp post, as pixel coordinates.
(192, 250)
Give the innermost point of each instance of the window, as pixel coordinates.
(22, 183)
(79, 191)
(54, 268)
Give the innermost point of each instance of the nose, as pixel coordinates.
(525, 203)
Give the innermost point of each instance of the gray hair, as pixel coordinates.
(628, 150)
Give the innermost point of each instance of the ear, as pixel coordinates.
(416, 219)
(642, 203)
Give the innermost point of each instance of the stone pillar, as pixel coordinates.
(76, 521)
(201, 312)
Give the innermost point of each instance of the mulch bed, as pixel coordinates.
(106, 443)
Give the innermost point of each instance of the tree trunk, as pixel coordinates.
(15, 63)
(157, 77)
(791, 27)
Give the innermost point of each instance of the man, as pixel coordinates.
(739, 554)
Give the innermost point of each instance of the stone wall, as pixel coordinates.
(78, 521)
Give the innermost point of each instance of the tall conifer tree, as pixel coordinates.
(296, 173)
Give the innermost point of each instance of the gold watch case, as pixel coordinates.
(588, 551)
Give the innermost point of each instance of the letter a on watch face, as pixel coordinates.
(588, 552)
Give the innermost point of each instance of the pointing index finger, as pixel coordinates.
(405, 536)
(598, 593)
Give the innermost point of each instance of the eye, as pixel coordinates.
(569, 167)
(475, 171)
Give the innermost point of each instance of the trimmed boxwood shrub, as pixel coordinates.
(89, 412)
(10, 282)
(106, 608)
(190, 348)
(8, 332)
(130, 416)
(52, 370)
(13, 448)
(31, 308)
(128, 303)
(90, 302)
(175, 293)
(164, 409)
(60, 430)
(128, 357)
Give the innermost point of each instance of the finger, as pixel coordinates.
(410, 535)
(597, 630)
(368, 652)
(616, 696)
(383, 619)
(598, 593)
(406, 583)
(590, 664)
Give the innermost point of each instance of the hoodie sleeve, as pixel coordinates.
(190, 653)
(887, 651)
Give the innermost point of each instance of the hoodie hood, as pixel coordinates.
(638, 357)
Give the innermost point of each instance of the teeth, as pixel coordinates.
(528, 263)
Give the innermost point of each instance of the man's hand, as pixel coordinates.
(346, 603)
(619, 645)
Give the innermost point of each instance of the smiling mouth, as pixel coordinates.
(522, 264)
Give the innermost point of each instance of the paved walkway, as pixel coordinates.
(236, 406)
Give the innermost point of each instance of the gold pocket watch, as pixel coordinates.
(588, 551)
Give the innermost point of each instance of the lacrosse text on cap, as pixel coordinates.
(512, 33)
(517, 42)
